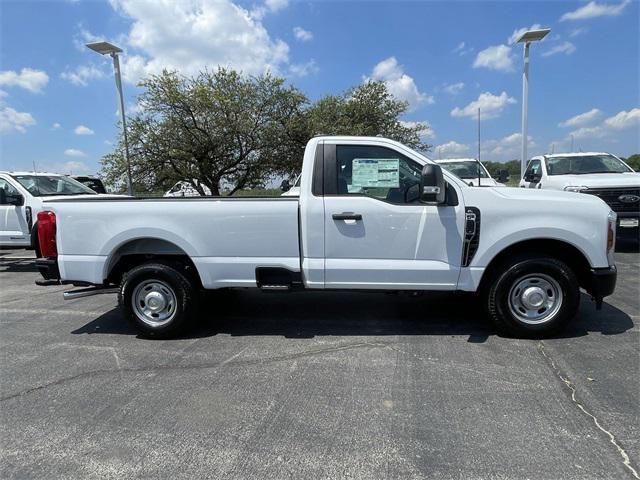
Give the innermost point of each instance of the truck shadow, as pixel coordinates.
(311, 314)
(10, 265)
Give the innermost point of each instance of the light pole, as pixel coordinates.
(104, 48)
(526, 38)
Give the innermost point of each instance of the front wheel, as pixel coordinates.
(158, 299)
(532, 296)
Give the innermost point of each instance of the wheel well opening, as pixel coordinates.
(558, 249)
(144, 250)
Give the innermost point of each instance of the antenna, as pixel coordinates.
(34, 166)
(553, 148)
(571, 142)
(479, 164)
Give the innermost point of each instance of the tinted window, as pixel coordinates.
(42, 185)
(466, 170)
(583, 164)
(376, 172)
(534, 168)
(7, 189)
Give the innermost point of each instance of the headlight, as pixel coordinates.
(575, 188)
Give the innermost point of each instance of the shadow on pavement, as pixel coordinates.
(310, 314)
(17, 265)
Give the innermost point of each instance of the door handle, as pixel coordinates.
(347, 216)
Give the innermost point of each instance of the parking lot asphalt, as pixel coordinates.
(315, 385)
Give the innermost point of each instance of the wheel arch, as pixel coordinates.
(558, 249)
(146, 249)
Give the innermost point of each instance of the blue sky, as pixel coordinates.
(58, 103)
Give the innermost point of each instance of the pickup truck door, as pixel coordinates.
(13, 225)
(375, 237)
(532, 175)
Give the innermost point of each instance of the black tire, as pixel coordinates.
(173, 280)
(508, 276)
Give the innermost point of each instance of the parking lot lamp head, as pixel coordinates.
(526, 38)
(106, 48)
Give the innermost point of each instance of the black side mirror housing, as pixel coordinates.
(17, 200)
(432, 187)
(533, 177)
(285, 185)
(503, 176)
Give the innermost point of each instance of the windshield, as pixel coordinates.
(582, 165)
(466, 169)
(43, 185)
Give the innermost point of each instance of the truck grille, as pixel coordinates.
(612, 197)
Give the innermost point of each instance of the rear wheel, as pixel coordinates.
(532, 296)
(158, 299)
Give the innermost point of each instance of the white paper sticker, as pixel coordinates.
(375, 172)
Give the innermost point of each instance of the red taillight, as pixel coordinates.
(47, 234)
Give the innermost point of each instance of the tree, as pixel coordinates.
(228, 132)
(634, 162)
(368, 109)
(220, 129)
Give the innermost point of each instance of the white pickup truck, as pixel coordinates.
(372, 214)
(472, 172)
(600, 174)
(21, 198)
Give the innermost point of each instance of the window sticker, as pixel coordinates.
(375, 172)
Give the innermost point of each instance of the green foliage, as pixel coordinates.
(231, 132)
(633, 161)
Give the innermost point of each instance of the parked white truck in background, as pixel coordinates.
(472, 172)
(600, 174)
(21, 197)
(372, 214)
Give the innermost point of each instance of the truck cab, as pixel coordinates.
(472, 172)
(594, 173)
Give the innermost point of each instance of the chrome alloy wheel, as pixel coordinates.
(154, 302)
(535, 298)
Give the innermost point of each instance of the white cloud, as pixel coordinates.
(462, 49)
(189, 36)
(594, 9)
(451, 149)
(72, 167)
(497, 57)
(74, 152)
(565, 47)
(578, 31)
(454, 88)
(302, 34)
(28, 78)
(82, 74)
(275, 5)
(624, 119)
(303, 69)
(581, 119)
(12, 120)
(400, 85)
(491, 106)
(519, 31)
(620, 121)
(425, 134)
(506, 148)
(82, 130)
(3, 94)
(55, 126)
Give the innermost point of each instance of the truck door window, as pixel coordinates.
(376, 172)
(534, 168)
(7, 190)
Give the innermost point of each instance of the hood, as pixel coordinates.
(559, 197)
(598, 180)
(485, 182)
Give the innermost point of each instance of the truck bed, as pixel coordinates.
(226, 237)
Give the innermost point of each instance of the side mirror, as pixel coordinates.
(533, 177)
(17, 200)
(504, 176)
(432, 188)
(285, 185)
(3, 197)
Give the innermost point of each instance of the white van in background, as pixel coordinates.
(472, 172)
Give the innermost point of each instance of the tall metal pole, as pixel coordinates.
(479, 164)
(116, 69)
(525, 108)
